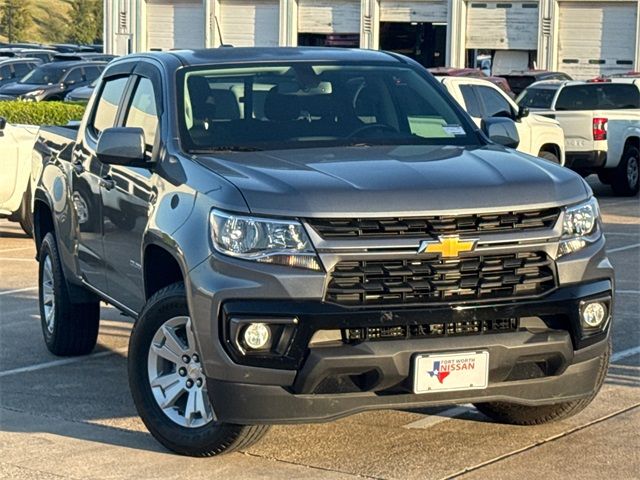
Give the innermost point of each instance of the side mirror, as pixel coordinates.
(502, 131)
(523, 112)
(122, 146)
(3, 123)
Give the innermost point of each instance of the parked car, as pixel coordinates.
(472, 73)
(601, 121)
(53, 81)
(13, 69)
(90, 56)
(16, 147)
(539, 136)
(43, 55)
(71, 48)
(518, 81)
(304, 234)
(81, 94)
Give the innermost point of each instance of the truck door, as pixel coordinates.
(86, 180)
(127, 197)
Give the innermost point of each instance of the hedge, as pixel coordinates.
(41, 113)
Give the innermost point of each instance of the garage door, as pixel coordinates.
(417, 11)
(175, 24)
(328, 16)
(502, 25)
(596, 38)
(248, 23)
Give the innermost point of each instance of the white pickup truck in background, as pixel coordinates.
(539, 136)
(16, 148)
(601, 123)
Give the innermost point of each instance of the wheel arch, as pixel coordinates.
(161, 267)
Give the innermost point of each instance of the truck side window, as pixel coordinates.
(142, 111)
(471, 101)
(104, 115)
(74, 76)
(22, 69)
(494, 103)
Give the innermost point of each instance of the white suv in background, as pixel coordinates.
(601, 122)
(539, 136)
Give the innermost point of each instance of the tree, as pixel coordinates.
(85, 22)
(15, 19)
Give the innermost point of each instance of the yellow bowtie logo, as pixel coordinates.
(447, 246)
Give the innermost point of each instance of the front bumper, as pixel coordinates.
(546, 360)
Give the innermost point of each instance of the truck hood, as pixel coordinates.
(395, 180)
(15, 89)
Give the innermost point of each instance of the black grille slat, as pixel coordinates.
(441, 225)
(427, 280)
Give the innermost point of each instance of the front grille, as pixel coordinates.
(424, 280)
(436, 225)
(408, 332)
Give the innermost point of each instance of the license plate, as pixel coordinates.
(446, 372)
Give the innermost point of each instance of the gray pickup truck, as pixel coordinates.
(303, 234)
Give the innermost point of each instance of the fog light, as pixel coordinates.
(256, 336)
(594, 314)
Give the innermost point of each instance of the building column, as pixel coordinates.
(545, 35)
(456, 33)
(288, 23)
(370, 24)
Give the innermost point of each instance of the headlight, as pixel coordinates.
(580, 226)
(34, 93)
(281, 242)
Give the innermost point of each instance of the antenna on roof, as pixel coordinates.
(222, 44)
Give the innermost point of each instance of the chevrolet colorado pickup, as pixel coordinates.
(601, 123)
(303, 234)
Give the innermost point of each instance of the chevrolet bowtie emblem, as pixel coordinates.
(447, 246)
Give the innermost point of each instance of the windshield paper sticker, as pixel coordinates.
(454, 130)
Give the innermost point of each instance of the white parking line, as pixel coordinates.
(18, 290)
(629, 292)
(57, 363)
(629, 352)
(13, 259)
(440, 417)
(15, 249)
(622, 249)
(623, 234)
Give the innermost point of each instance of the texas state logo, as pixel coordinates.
(438, 372)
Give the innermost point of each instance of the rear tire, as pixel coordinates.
(68, 328)
(165, 324)
(625, 178)
(515, 414)
(552, 157)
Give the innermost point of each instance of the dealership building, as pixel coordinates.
(584, 38)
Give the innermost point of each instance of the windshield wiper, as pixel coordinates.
(229, 148)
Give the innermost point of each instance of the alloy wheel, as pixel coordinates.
(176, 377)
(632, 172)
(48, 294)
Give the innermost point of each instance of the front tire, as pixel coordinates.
(515, 414)
(69, 328)
(625, 178)
(168, 385)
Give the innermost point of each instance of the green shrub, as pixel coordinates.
(41, 113)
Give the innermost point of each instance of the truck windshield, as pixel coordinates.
(45, 75)
(302, 105)
(537, 97)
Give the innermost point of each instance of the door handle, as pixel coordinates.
(107, 183)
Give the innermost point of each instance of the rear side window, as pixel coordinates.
(92, 73)
(537, 97)
(471, 101)
(74, 76)
(5, 73)
(22, 69)
(598, 96)
(494, 103)
(142, 112)
(107, 106)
